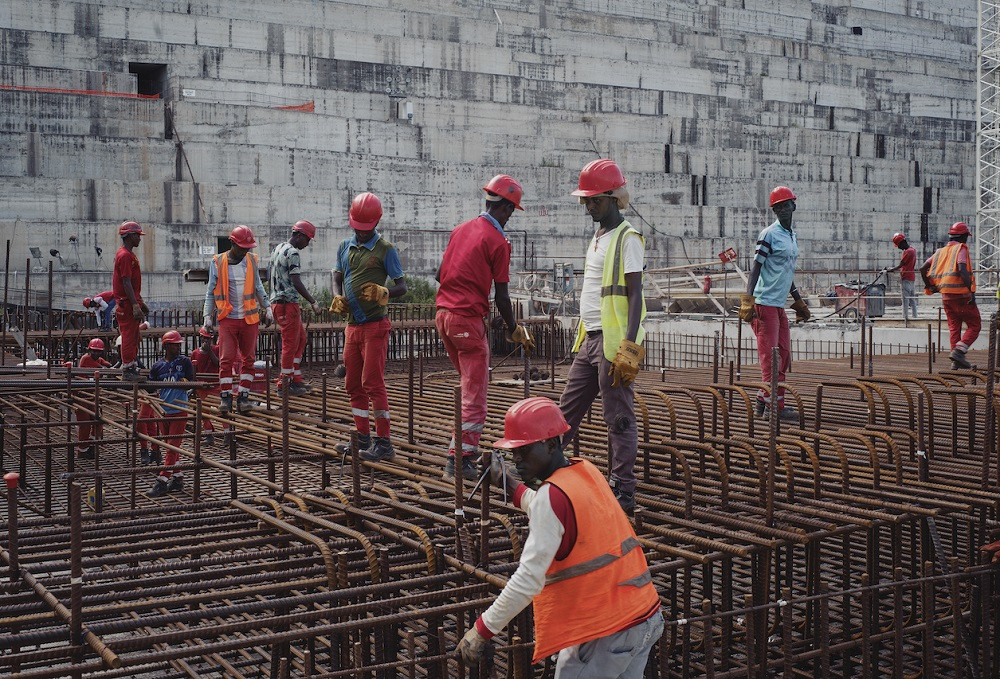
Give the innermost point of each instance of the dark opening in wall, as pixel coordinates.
(694, 189)
(924, 228)
(150, 78)
(928, 202)
(666, 158)
(857, 30)
(880, 146)
(222, 244)
(916, 173)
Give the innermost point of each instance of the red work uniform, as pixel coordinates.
(84, 417)
(959, 301)
(127, 266)
(203, 363)
(478, 254)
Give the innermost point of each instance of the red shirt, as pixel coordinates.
(203, 362)
(107, 295)
(126, 266)
(907, 263)
(563, 510)
(477, 255)
(88, 361)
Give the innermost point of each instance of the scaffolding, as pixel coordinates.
(988, 139)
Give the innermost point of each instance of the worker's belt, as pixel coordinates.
(594, 333)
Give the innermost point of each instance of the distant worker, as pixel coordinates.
(477, 258)
(763, 305)
(173, 367)
(949, 271)
(610, 333)
(907, 274)
(285, 280)
(126, 282)
(94, 358)
(582, 566)
(365, 262)
(206, 360)
(234, 300)
(103, 305)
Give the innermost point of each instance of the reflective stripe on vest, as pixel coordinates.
(251, 314)
(944, 271)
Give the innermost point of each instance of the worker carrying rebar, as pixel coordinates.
(581, 567)
(949, 271)
(763, 306)
(285, 282)
(103, 305)
(205, 359)
(234, 299)
(173, 367)
(365, 263)
(477, 258)
(126, 283)
(609, 338)
(907, 274)
(88, 427)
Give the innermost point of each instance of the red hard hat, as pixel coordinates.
(130, 227)
(306, 227)
(243, 237)
(365, 212)
(958, 229)
(531, 420)
(505, 186)
(97, 343)
(780, 194)
(205, 333)
(599, 176)
(171, 337)
(898, 238)
(87, 301)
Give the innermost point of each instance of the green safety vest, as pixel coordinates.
(614, 297)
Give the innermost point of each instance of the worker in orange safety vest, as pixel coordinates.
(949, 271)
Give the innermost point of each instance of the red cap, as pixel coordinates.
(171, 337)
(205, 333)
(243, 237)
(87, 301)
(531, 420)
(505, 186)
(12, 479)
(306, 227)
(958, 229)
(97, 344)
(599, 176)
(780, 194)
(128, 227)
(898, 238)
(365, 212)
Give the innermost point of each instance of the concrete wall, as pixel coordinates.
(866, 108)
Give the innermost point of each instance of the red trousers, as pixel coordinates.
(206, 424)
(237, 338)
(468, 348)
(171, 430)
(293, 339)
(959, 311)
(365, 350)
(85, 429)
(146, 412)
(129, 329)
(771, 327)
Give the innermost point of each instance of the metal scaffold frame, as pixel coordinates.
(988, 139)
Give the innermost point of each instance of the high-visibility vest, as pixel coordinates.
(944, 270)
(603, 585)
(251, 314)
(614, 297)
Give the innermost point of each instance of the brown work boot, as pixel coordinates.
(959, 360)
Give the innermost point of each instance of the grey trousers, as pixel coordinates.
(622, 655)
(909, 299)
(588, 377)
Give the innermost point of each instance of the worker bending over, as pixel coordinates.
(103, 305)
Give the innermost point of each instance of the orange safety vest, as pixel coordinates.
(603, 586)
(944, 270)
(251, 314)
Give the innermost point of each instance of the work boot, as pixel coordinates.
(243, 404)
(364, 443)
(87, 454)
(958, 359)
(295, 389)
(175, 484)
(131, 374)
(209, 439)
(159, 488)
(380, 451)
(625, 500)
(785, 414)
(156, 457)
(144, 457)
(469, 472)
(759, 409)
(226, 403)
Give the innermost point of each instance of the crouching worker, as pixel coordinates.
(582, 566)
(173, 367)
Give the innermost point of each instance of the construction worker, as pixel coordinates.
(365, 261)
(582, 566)
(286, 286)
(234, 299)
(610, 333)
(907, 274)
(103, 305)
(126, 282)
(763, 306)
(206, 360)
(949, 271)
(477, 257)
(173, 367)
(94, 358)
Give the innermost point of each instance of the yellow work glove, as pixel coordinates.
(625, 365)
(373, 292)
(339, 305)
(801, 311)
(522, 336)
(747, 311)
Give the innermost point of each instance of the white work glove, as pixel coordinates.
(316, 308)
(471, 647)
(269, 317)
(209, 324)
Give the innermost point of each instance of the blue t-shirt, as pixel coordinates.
(777, 250)
(173, 371)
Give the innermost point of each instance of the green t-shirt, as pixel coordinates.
(371, 262)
